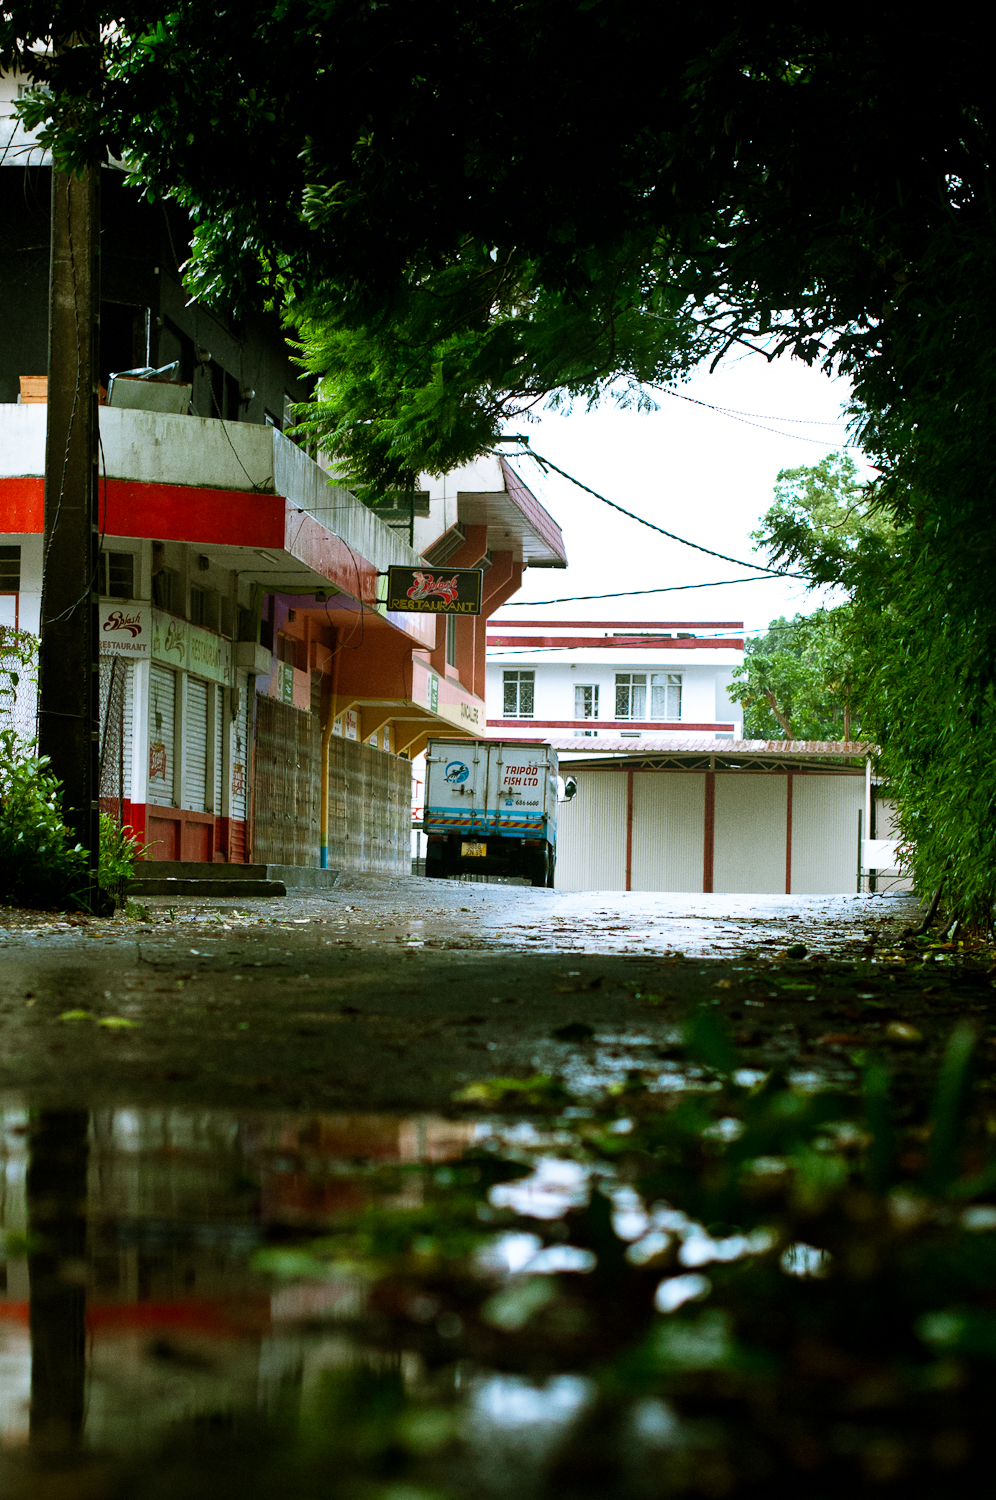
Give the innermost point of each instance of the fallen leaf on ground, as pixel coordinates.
(903, 1032)
(838, 1039)
(76, 1015)
(115, 1022)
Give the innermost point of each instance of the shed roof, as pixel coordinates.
(701, 752)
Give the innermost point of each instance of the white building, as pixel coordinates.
(629, 679)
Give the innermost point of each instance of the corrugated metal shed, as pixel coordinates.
(754, 816)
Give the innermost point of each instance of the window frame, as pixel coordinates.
(672, 683)
(629, 683)
(591, 707)
(518, 678)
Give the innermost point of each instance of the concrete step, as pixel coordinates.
(208, 889)
(168, 877)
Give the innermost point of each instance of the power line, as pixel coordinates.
(675, 588)
(745, 417)
(546, 463)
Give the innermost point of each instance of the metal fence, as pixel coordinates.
(18, 682)
(113, 700)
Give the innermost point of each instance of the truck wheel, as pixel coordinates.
(551, 865)
(539, 870)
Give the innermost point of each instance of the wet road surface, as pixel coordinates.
(391, 993)
(432, 1191)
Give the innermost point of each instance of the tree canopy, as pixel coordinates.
(507, 199)
(467, 207)
(800, 679)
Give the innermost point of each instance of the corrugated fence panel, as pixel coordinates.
(370, 795)
(162, 693)
(668, 831)
(591, 834)
(750, 833)
(825, 834)
(285, 790)
(193, 770)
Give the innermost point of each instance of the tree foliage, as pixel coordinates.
(491, 198)
(796, 682)
(800, 679)
(464, 206)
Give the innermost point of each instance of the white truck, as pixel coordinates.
(490, 809)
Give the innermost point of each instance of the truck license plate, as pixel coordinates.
(475, 849)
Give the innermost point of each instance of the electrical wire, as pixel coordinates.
(728, 411)
(674, 588)
(546, 463)
(731, 411)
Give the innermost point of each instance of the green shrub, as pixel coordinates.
(39, 865)
(119, 849)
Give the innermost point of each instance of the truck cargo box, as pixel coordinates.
(491, 807)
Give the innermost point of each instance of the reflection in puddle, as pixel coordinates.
(695, 1292)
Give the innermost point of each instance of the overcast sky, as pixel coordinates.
(703, 475)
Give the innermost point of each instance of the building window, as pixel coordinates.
(451, 640)
(631, 695)
(167, 590)
(286, 650)
(10, 585)
(116, 575)
(519, 694)
(665, 695)
(586, 701)
(10, 570)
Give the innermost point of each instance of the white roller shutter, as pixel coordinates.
(129, 723)
(162, 693)
(193, 770)
(217, 735)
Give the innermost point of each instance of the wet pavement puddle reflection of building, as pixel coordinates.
(724, 1288)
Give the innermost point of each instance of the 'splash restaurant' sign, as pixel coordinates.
(442, 591)
(125, 629)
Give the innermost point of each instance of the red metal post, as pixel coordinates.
(710, 831)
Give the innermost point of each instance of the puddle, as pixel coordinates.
(718, 1286)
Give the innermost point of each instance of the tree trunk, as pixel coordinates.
(785, 723)
(68, 706)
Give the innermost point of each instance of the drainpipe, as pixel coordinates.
(324, 789)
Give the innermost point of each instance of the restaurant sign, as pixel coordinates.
(198, 651)
(125, 630)
(444, 591)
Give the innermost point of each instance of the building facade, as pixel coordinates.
(628, 678)
(260, 702)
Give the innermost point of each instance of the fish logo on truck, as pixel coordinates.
(457, 773)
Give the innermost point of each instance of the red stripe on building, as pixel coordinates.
(22, 504)
(660, 726)
(618, 642)
(641, 625)
(182, 513)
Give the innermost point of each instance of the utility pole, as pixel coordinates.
(69, 680)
